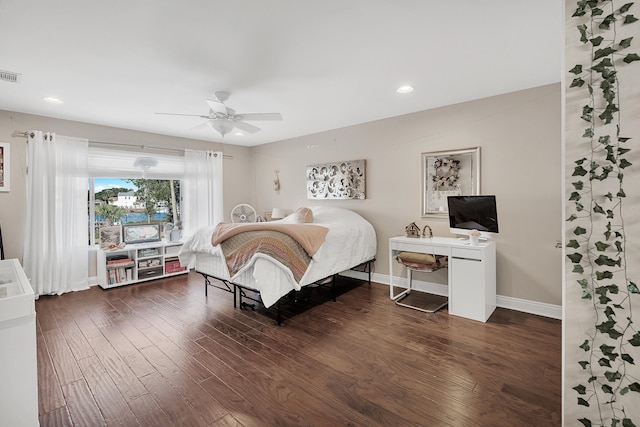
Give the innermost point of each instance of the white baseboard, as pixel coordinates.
(511, 303)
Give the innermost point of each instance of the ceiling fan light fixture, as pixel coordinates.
(223, 126)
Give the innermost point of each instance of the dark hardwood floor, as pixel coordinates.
(161, 354)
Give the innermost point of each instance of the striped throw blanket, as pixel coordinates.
(239, 249)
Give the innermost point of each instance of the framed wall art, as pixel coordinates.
(448, 173)
(5, 166)
(339, 180)
(140, 233)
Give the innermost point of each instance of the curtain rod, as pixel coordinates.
(121, 144)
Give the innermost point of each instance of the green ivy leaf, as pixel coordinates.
(585, 345)
(635, 387)
(626, 422)
(605, 260)
(583, 33)
(612, 376)
(629, 19)
(596, 40)
(598, 209)
(635, 340)
(603, 65)
(624, 163)
(580, 389)
(633, 288)
(577, 82)
(584, 364)
(609, 312)
(585, 422)
(603, 275)
(625, 43)
(627, 358)
(625, 8)
(578, 185)
(618, 245)
(609, 196)
(607, 327)
(583, 402)
(578, 269)
(600, 246)
(596, 11)
(607, 350)
(607, 388)
(622, 151)
(604, 362)
(630, 58)
(623, 139)
(578, 68)
(579, 171)
(584, 283)
(573, 243)
(573, 217)
(579, 231)
(621, 193)
(588, 133)
(575, 257)
(575, 196)
(606, 22)
(579, 207)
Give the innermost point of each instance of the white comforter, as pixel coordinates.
(351, 240)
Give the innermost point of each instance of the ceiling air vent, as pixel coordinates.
(8, 76)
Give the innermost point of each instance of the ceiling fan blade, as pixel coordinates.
(260, 116)
(217, 106)
(186, 115)
(202, 125)
(246, 127)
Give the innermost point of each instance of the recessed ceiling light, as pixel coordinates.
(405, 89)
(238, 134)
(52, 100)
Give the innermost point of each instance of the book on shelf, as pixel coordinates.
(118, 260)
(119, 275)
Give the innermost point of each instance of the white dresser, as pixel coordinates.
(18, 357)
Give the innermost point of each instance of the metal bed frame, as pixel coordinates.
(240, 291)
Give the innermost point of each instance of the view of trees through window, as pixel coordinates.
(133, 201)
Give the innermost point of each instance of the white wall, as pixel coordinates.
(520, 139)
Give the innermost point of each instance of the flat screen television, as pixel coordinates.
(473, 212)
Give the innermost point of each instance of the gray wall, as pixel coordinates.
(520, 139)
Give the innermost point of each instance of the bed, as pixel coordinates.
(349, 243)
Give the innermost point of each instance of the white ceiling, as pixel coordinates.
(322, 64)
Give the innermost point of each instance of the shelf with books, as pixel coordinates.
(138, 263)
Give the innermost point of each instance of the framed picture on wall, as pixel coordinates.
(5, 170)
(448, 173)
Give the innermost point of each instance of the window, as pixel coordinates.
(132, 201)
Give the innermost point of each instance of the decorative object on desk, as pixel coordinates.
(140, 233)
(277, 213)
(5, 169)
(243, 213)
(424, 231)
(110, 237)
(474, 237)
(412, 230)
(448, 173)
(340, 180)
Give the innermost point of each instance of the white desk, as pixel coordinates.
(471, 275)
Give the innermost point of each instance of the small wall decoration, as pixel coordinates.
(5, 170)
(340, 180)
(448, 173)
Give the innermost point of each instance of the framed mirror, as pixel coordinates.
(448, 173)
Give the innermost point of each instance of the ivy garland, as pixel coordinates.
(447, 172)
(598, 243)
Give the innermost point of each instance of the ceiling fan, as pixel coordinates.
(224, 119)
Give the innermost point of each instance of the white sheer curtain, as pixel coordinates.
(201, 190)
(55, 255)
